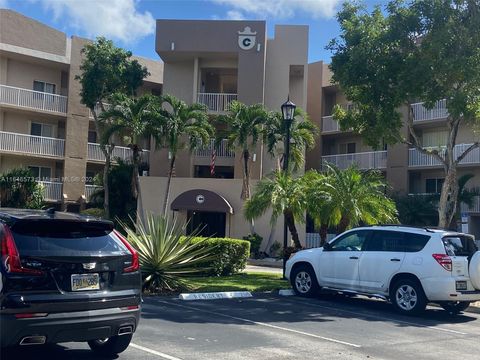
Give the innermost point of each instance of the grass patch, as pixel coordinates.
(254, 281)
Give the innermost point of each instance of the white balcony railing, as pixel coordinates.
(90, 190)
(475, 206)
(417, 158)
(216, 102)
(222, 150)
(31, 144)
(31, 99)
(52, 191)
(98, 109)
(363, 160)
(421, 113)
(95, 153)
(329, 124)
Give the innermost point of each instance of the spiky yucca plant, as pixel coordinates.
(166, 255)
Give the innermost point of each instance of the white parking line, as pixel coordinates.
(373, 316)
(154, 352)
(264, 324)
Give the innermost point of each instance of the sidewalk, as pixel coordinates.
(263, 269)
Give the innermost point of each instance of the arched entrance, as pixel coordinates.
(206, 211)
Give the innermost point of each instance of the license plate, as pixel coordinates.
(85, 282)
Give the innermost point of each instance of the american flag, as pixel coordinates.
(212, 162)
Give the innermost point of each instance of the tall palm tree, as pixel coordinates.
(132, 119)
(283, 195)
(243, 131)
(302, 135)
(465, 196)
(346, 198)
(180, 122)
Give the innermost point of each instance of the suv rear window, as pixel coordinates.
(459, 245)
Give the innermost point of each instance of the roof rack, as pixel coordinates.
(429, 229)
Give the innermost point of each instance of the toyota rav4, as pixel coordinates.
(408, 266)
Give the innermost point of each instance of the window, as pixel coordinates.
(434, 138)
(347, 148)
(350, 242)
(41, 173)
(415, 242)
(39, 129)
(459, 245)
(92, 136)
(433, 186)
(44, 87)
(385, 241)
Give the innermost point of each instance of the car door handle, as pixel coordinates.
(395, 259)
(354, 257)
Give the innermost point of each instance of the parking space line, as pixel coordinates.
(154, 352)
(373, 316)
(264, 324)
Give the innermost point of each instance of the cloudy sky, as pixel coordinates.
(131, 23)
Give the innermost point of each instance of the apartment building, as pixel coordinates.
(407, 170)
(215, 62)
(43, 125)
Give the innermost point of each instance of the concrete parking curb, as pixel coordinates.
(286, 292)
(215, 295)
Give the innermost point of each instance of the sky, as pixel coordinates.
(131, 23)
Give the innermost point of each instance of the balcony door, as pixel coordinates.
(39, 129)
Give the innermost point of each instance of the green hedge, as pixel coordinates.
(232, 254)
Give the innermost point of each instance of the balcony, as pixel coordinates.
(475, 206)
(34, 100)
(329, 124)
(95, 153)
(52, 191)
(222, 150)
(30, 144)
(363, 160)
(419, 159)
(216, 102)
(90, 190)
(421, 113)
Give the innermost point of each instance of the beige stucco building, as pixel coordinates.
(43, 124)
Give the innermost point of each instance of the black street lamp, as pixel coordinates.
(288, 110)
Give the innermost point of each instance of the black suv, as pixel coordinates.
(65, 277)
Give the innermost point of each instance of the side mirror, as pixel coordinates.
(327, 247)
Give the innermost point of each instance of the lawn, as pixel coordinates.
(253, 281)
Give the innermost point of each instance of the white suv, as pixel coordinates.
(406, 265)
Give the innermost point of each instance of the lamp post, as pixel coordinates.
(288, 110)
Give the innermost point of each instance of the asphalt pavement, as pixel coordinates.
(271, 327)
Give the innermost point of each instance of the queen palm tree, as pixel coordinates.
(346, 198)
(283, 195)
(132, 119)
(182, 126)
(302, 135)
(243, 131)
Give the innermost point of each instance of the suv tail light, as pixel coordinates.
(135, 265)
(11, 257)
(444, 260)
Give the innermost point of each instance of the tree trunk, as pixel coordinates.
(448, 198)
(270, 238)
(292, 228)
(323, 234)
(136, 184)
(169, 180)
(343, 224)
(246, 176)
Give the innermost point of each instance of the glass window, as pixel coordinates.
(459, 245)
(415, 242)
(36, 129)
(92, 136)
(385, 241)
(433, 186)
(41, 173)
(43, 86)
(353, 241)
(39, 129)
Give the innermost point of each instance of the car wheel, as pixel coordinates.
(455, 307)
(304, 281)
(408, 298)
(111, 346)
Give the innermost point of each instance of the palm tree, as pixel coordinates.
(465, 196)
(302, 135)
(346, 198)
(243, 131)
(179, 121)
(133, 119)
(283, 195)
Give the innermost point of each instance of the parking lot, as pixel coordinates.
(272, 327)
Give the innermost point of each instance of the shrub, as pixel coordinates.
(229, 255)
(255, 242)
(19, 189)
(96, 212)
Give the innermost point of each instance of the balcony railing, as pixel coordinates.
(417, 158)
(475, 206)
(31, 144)
(52, 191)
(90, 190)
(222, 150)
(216, 102)
(421, 113)
(329, 124)
(95, 153)
(98, 110)
(363, 160)
(31, 99)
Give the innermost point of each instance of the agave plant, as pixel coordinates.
(166, 255)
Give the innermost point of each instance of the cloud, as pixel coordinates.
(281, 8)
(114, 19)
(3, 4)
(235, 15)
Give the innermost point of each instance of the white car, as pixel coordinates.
(408, 266)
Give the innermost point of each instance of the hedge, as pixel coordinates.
(232, 254)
